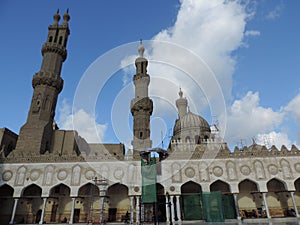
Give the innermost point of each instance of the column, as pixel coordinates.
(102, 209)
(72, 211)
(137, 210)
(236, 205)
(264, 194)
(167, 209)
(131, 209)
(14, 211)
(178, 208)
(43, 211)
(294, 203)
(172, 208)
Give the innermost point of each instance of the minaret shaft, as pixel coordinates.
(141, 106)
(36, 134)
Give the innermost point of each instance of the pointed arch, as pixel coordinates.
(31, 195)
(32, 190)
(58, 201)
(297, 185)
(191, 198)
(87, 190)
(248, 185)
(119, 201)
(220, 185)
(191, 187)
(6, 199)
(277, 197)
(276, 185)
(6, 190)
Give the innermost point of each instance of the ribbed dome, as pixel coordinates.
(192, 125)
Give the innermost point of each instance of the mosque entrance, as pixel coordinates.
(191, 199)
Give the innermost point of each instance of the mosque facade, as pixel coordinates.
(48, 175)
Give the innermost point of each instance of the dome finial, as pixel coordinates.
(141, 49)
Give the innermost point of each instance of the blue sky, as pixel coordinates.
(252, 50)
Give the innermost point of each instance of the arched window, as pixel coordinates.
(60, 40)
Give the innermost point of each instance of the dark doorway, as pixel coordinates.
(76, 215)
(112, 214)
(53, 212)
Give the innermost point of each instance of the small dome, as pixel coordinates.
(191, 125)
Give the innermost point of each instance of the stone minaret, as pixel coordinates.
(36, 134)
(141, 105)
(181, 105)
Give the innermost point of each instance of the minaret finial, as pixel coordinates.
(66, 17)
(180, 92)
(56, 17)
(141, 49)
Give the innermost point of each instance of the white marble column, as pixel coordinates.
(137, 210)
(264, 194)
(172, 208)
(14, 211)
(178, 208)
(294, 203)
(131, 209)
(72, 211)
(167, 209)
(102, 211)
(43, 211)
(236, 205)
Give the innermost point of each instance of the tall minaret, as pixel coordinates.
(181, 104)
(36, 134)
(141, 105)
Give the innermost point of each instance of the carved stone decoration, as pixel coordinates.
(36, 102)
(90, 174)
(190, 172)
(259, 170)
(245, 170)
(76, 175)
(203, 171)
(297, 167)
(20, 178)
(35, 174)
(136, 189)
(286, 169)
(48, 175)
(176, 171)
(273, 169)
(118, 173)
(172, 188)
(231, 170)
(132, 174)
(7, 175)
(217, 171)
(62, 174)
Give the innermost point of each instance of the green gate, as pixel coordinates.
(212, 205)
(192, 207)
(228, 207)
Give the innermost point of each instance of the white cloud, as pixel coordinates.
(82, 122)
(276, 12)
(212, 30)
(274, 138)
(293, 107)
(252, 33)
(246, 118)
